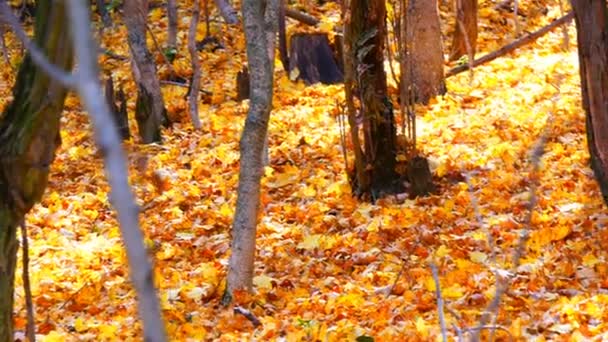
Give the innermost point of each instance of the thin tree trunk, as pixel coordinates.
(195, 85)
(150, 108)
(425, 49)
(465, 33)
(106, 136)
(29, 136)
(260, 23)
(172, 29)
(591, 19)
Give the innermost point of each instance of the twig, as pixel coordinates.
(444, 332)
(396, 279)
(27, 288)
(502, 284)
(7, 16)
(510, 47)
(479, 218)
(249, 315)
(467, 43)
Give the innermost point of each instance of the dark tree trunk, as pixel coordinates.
(150, 108)
(591, 19)
(119, 112)
(425, 50)
(465, 34)
(312, 56)
(365, 39)
(29, 136)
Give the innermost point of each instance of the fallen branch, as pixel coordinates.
(183, 85)
(30, 330)
(510, 47)
(249, 315)
(302, 17)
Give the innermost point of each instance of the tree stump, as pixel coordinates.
(119, 113)
(419, 176)
(312, 56)
(242, 84)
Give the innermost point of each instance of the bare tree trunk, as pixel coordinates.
(260, 23)
(29, 136)
(150, 109)
(106, 136)
(425, 49)
(366, 35)
(465, 33)
(592, 34)
(195, 84)
(172, 29)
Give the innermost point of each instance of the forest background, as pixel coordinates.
(328, 265)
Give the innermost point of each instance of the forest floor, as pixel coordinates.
(330, 267)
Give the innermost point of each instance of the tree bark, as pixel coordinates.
(150, 108)
(172, 29)
(465, 33)
(425, 49)
(591, 19)
(29, 136)
(260, 24)
(195, 84)
(366, 35)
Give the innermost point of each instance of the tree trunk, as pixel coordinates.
(195, 84)
(260, 23)
(150, 108)
(29, 136)
(592, 34)
(172, 29)
(425, 49)
(465, 33)
(366, 37)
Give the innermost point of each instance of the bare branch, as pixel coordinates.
(444, 333)
(123, 200)
(502, 284)
(7, 17)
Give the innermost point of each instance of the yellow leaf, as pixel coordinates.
(310, 242)
(478, 257)
(263, 282)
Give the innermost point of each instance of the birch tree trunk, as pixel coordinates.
(260, 19)
(29, 137)
(150, 108)
(591, 19)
